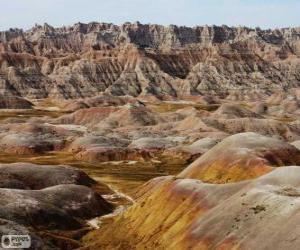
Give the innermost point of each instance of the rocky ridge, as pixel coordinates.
(145, 60)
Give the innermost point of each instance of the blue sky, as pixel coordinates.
(263, 13)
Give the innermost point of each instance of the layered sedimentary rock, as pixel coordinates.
(241, 157)
(145, 60)
(34, 177)
(139, 101)
(56, 207)
(187, 212)
(14, 102)
(33, 138)
(175, 213)
(49, 203)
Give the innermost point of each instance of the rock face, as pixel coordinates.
(52, 208)
(38, 198)
(90, 141)
(224, 200)
(32, 138)
(34, 177)
(240, 157)
(106, 154)
(231, 111)
(14, 102)
(102, 100)
(155, 143)
(189, 214)
(145, 60)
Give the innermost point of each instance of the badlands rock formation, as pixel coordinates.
(182, 212)
(240, 157)
(175, 213)
(190, 136)
(35, 177)
(35, 198)
(146, 60)
(14, 102)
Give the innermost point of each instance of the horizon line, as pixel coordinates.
(157, 24)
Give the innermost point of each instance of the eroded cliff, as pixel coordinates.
(145, 60)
